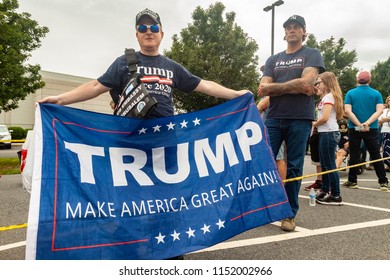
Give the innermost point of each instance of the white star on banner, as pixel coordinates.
(220, 224)
(160, 238)
(183, 124)
(196, 122)
(190, 232)
(175, 235)
(205, 228)
(142, 130)
(156, 128)
(170, 126)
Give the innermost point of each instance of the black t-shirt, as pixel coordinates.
(160, 76)
(284, 67)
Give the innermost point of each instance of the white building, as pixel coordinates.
(55, 83)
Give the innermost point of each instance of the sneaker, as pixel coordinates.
(351, 185)
(331, 200)
(321, 195)
(288, 224)
(316, 185)
(384, 187)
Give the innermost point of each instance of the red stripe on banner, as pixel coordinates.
(94, 129)
(258, 209)
(53, 248)
(55, 185)
(101, 245)
(230, 113)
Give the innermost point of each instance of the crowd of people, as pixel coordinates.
(289, 83)
(361, 103)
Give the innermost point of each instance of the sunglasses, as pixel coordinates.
(317, 83)
(144, 28)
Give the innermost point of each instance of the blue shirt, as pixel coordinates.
(160, 76)
(363, 100)
(283, 67)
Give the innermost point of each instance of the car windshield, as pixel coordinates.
(3, 129)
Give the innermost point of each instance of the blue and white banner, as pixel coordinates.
(109, 187)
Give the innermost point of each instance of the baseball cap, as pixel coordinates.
(154, 16)
(297, 19)
(363, 77)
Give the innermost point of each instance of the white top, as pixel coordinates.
(385, 125)
(331, 124)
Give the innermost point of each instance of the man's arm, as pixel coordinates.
(304, 84)
(81, 93)
(367, 123)
(375, 116)
(263, 104)
(213, 89)
(351, 116)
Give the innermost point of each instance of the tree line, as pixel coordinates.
(213, 47)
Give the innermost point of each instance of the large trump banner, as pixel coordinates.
(110, 187)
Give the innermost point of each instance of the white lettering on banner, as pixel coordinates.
(85, 153)
(100, 209)
(203, 151)
(183, 164)
(248, 135)
(246, 141)
(119, 167)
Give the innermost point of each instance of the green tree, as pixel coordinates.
(19, 35)
(337, 60)
(380, 78)
(216, 49)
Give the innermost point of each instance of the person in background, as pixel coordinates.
(262, 106)
(384, 122)
(315, 159)
(149, 33)
(343, 145)
(288, 79)
(363, 106)
(330, 110)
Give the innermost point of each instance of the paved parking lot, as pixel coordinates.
(358, 230)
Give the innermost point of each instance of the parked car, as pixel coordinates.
(5, 134)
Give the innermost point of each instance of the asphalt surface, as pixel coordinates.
(358, 230)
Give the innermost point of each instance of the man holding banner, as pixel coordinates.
(160, 74)
(112, 187)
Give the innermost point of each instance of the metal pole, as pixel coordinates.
(267, 9)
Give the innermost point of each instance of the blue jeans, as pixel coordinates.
(295, 133)
(327, 151)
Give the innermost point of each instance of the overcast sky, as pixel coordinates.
(87, 35)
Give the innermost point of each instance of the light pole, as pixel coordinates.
(269, 8)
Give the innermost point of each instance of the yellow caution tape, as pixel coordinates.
(13, 227)
(285, 181)
(333, 170)
(13, 141)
